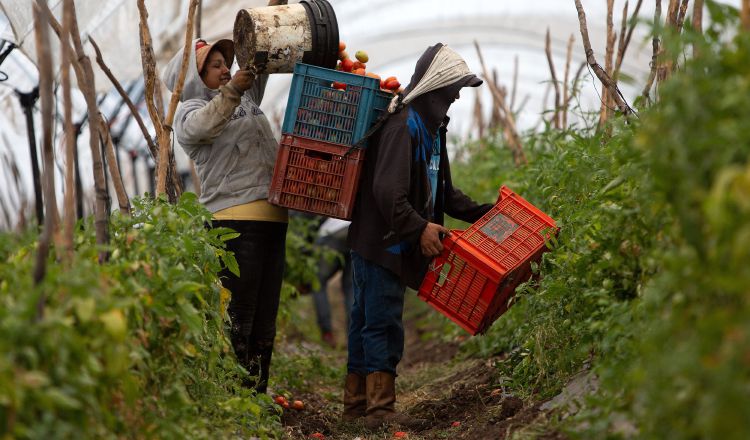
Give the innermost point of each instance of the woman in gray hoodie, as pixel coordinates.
(222, 129)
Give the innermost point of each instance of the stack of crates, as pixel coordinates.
(473, 279)
(319, 162)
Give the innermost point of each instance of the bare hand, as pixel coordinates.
(430, 241)
(242, 80)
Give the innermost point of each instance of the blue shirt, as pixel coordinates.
(432, 170)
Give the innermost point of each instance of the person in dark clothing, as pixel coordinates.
(405, 191)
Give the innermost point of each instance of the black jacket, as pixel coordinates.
(394, 202)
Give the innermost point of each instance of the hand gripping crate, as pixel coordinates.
(317, 177)
(473, 279)
(315, 110)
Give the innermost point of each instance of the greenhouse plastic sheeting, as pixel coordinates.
(113, 24)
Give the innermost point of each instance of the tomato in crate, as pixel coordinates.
(316, 177)
(332, 106)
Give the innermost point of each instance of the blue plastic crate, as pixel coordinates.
(318, 111)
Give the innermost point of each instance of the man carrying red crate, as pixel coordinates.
(405, 190)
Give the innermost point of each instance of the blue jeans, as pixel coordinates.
(376, 332)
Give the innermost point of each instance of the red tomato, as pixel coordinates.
(392, 84)
(347, 64)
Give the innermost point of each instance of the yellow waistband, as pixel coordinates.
(259, 210)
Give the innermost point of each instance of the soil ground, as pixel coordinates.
(459, 396)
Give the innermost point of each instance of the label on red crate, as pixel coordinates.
(499, 227)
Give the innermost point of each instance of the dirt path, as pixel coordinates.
(458, 396)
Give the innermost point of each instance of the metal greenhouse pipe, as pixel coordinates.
(27, 101)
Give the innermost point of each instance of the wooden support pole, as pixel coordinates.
(566, 79)
(69, 201)
(44, 56)
(555, 84)
(600, 73)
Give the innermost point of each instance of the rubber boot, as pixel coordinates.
(355, 397)
(381, 403)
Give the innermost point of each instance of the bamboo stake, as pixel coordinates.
(198, 19)
(496, 118)
(124, 95)
(745, 15)
(114, 169)
(149, 70)
(621, 43)
(509, 125)
(600, 73)
(607, 99)
(672, 12)
(98, 121)
(69, 210)
(154, 102)
(698, 16)
(152, 95)
(555, 84)
(165, 149)
(566, 78)
(85, 78)
(44, 57)
(656, 46)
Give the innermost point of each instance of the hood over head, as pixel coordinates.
(438, 76)
(194, 86)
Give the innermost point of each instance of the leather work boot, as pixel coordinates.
(381, 403)
(355, 399)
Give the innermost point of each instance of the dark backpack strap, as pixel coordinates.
(376, 126)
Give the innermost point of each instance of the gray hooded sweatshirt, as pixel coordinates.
(227, 136)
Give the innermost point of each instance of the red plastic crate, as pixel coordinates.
(479, 269)
(316, 177)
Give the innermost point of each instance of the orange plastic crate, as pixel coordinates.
(316, 177)
(479, 269)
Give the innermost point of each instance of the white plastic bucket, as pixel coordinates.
(275, 38)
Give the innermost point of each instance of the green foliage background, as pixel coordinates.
(649, 284)
(135, 347)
